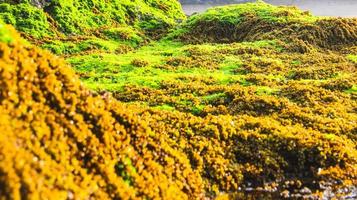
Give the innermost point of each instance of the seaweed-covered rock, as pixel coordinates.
(60, 141)
(40, 18)
(260, 21)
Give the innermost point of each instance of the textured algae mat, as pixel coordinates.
(131, 100)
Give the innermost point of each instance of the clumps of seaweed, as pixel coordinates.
(60, 141)
(139, 63)
(261, 21)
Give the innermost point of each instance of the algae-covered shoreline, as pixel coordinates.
(131, 100)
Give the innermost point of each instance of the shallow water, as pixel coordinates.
(340, 8)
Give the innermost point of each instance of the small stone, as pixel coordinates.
(285, 194)
(70, 195)
(296, 195)
(305, 190)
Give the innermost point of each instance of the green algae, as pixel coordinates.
(81, 17)
(5, 35)
(26, 18)
(235, 14)
(352, 90)
(88, 45)
(214, 97)
(352, 58)
(125, 33)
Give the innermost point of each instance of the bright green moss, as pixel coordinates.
(124, 33)
(164, 107)
(196, 110)
(352, 90)
(111, 71)
(235, 14)
(5, 35)
(69, 47)
(263, 90)
(352, 58)
(214, 97)
(81, 17)
(230, 64)
(26, 18)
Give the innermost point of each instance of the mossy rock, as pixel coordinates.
(47, 18)
(262, 21)
(26, 18)
(51, 120)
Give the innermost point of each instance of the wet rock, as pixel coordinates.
(296, 195)
(305, 190)
(285, 194)
(40, 3)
